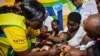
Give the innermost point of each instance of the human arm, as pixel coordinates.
(17, 38)
(87, 41)
(37, 33)
(54, 39)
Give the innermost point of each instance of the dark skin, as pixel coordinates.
(72, 29)
(71, 51)
(77, 3)
(44, 32)
(98, 5)
(85, 40)
(77, 52)
(55, 28)
(35, 25)
(61, 38)
(44, 29)
(43, 53)
(71, 33)
(74, 51)
(92, 27)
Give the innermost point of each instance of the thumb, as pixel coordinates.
(54, 46)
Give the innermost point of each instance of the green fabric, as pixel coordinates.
(29, 44)
(63, 1)
(55, 17)
(49, 4)
(71, 6)
(11, 52)
(33, 40)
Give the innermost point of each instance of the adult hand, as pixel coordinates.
(65, 48)
(52, 51)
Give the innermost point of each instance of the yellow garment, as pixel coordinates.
(12, 20)
(4, 41)
(3, 50)
(14, 28)
(4, 44)
(33, 32)
(17, 38)
(7, 2)
(47, 1)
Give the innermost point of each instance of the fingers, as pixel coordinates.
(65, 48)
(54, 46)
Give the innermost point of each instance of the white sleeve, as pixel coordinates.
(91, 6)
(88, 8)
(89, 44)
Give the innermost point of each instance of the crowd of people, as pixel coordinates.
(22, 32)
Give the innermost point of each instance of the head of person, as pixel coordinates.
(44, 29)
(32, 10)
(64, 36)
(55, 25)
(34, 13)
(98, 5)
(17, 7)
(92, 26)
(77, 3)
(74, 20)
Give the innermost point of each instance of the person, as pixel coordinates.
(14, 29)
(55, 28)
(62, 38)
(85, 8)
(76, 32)
(44, 29)
(98, 5)
(48, 21)
(74, 29)
(92, 27)
(16, 9)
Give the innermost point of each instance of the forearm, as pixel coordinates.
(43, 35)
(27, 53)
(54, 40)
(43, 53)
